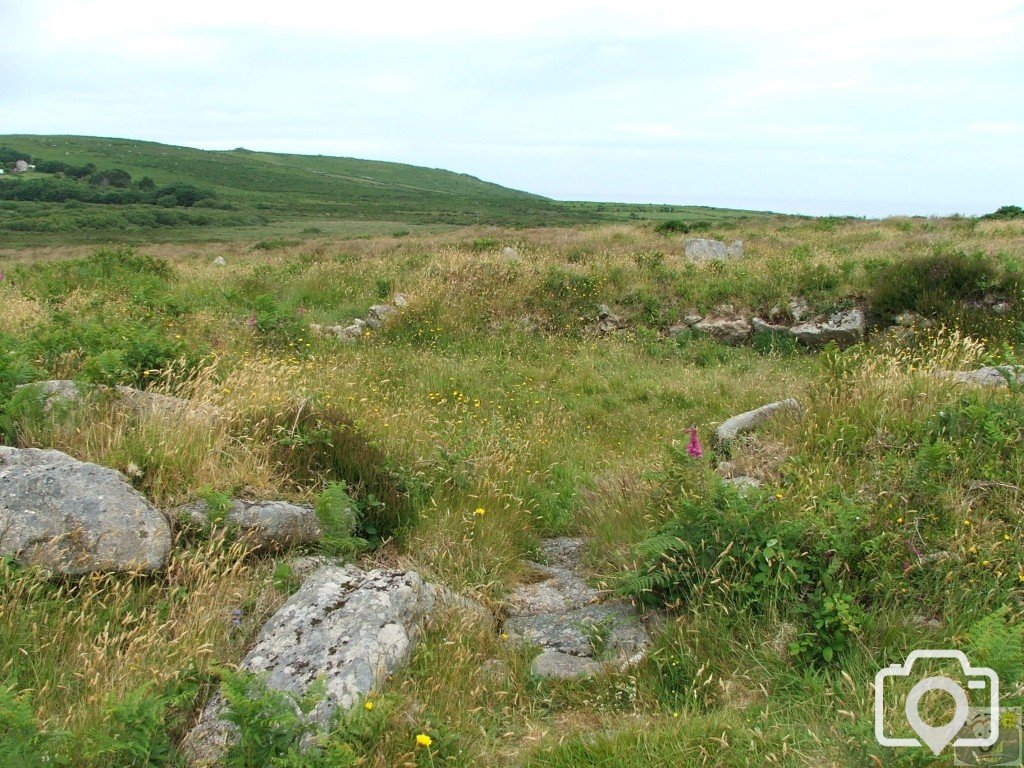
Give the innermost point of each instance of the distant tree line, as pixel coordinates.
(108, 187)
(1006, 212)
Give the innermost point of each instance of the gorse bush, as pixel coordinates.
(936, 283)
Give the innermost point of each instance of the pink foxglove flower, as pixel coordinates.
(694, 448)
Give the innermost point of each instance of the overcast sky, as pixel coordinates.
(866, 108)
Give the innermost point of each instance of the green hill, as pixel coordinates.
(183, 193)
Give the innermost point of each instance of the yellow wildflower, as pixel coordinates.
(368, 706)
(423, 740)
(479, 512)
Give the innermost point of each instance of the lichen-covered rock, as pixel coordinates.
(730, 428)
(268, 524)
(844, 328)
(345, 626)
(989, 376)
(704, 249)
(597, 631)
(64, 392)
(762, 326)
(564, 665)
(729, 330)
(73, 517)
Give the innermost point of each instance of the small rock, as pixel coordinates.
(744, 483)
(725, 330)
(603, 311)
(731, 427)
(784, 638)
(799, 309)
(692, 320)
(73, 517)
(495, 671)
(219, 262)
(912, 320)
(562, 666)
(726, 468)
(401, 300)
(509, 253)
(1002, 308)
(734, 250)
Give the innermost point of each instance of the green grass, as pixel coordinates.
(888, 517)
(267, 194)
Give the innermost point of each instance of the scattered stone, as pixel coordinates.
(558, 611)
(57, 392)
(1002, 308)
(268, 524)
(784, 638)
(607, 322)
(219, 262)
(726, 469)
(73, 517)
(989, 376)
(799, 309)
(704, 249)
(595, 631)
(744, 483)
(603, 311)
(401, 300)
(692, 320)
(726, 330)
(495, 671)
(730, 428)
(844, 328)
(556, 664)
(912, 320)
(346, 627)
(509, 253)
(762, 326)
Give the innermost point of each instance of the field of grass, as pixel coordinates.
(246, 192)
(888, 517)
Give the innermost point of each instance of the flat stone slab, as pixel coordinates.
(556, 590)
(73, 517)
(990, 376)
(348, 627)
(604, 630)
(732, 427)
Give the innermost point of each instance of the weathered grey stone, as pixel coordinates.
(268, 524)
(401, 300)
(912, 320)
(744, 483)
(761, 326)
(345, 626)
(64, 392)
(799, 309)
(563, 666)
(379, 312)
(73, 517)
(219, 262)
(509, 253)
(564, 552)
(989, 376)
(730, 428)
(692, 320)
(495, 671)
(844, 328)
(606, 630)
(552, 590)
(734, 250)
(704, 249)
(727, 330)
(1002, 307)
(603, 311)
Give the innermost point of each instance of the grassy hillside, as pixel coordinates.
(252, 194)
(888, 516)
